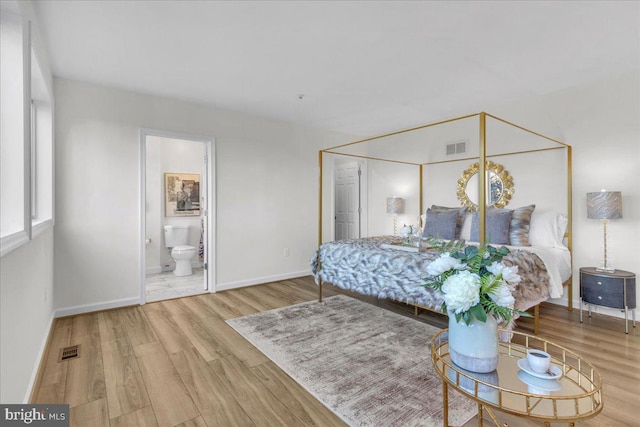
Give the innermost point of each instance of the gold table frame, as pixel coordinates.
(579, 397)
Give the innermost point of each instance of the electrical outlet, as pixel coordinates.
(285, 252)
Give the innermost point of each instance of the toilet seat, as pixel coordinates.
(183, 248)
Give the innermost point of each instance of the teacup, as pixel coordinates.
(539, 361)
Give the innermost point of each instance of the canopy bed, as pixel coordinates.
(538, 233)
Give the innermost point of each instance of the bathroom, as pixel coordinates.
(175, 189)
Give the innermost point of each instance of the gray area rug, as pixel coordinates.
(370, 366)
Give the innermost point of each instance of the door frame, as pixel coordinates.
(210, 249)
(364, 194)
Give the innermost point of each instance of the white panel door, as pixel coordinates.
(347, 203)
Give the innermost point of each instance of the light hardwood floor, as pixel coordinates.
(177, 363)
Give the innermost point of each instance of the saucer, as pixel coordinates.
(524, 365)
(538, 385)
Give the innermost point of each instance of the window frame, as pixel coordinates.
(33, 226)
(41, 102)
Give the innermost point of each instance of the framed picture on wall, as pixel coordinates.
(182, 194)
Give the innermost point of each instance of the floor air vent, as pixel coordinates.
(67, 353)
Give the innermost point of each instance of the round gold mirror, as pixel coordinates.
(499, 186)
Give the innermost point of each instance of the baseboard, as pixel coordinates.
(40, 361)
(261, 280)
(195, 263)
(153, 270)
(599, 309)
(605, 311)
(88, 308)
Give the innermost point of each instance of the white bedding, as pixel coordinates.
(558, 263)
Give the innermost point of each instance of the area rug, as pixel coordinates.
(370, 366)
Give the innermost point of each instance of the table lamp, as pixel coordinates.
(395, 206)
(604, 205)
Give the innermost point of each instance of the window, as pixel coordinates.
(26, 134)
(13, 224)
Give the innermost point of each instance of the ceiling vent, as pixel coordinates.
(456, 148)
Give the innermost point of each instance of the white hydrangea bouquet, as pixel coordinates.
(474, 282)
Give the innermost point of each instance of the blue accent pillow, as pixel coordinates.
(441, 224)
(497, 226)
(462, 213)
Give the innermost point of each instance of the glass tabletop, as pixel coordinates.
(575, 394)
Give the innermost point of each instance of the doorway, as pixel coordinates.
(177, 189)
(350, 197)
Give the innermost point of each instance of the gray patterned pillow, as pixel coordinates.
(462, 212)
(497, 226)
(520, 224)
(441, 224)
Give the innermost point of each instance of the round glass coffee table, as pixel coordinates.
(572, 394)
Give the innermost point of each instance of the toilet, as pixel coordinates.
(176, 238)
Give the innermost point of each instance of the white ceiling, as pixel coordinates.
(363, 67)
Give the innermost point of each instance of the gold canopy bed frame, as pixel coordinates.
(537, 143)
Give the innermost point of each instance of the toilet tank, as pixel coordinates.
(176, 235)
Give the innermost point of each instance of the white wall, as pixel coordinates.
(547, 190)
(26, 312)
(175, 156)
(267, 179)
(387, 180)
(602, 123)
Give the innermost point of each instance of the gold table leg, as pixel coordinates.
(445, 404)
(493, 417)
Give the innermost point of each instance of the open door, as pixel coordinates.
(171, 160)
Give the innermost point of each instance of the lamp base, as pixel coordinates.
(606, 269)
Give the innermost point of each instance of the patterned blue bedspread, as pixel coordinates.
(363, 266)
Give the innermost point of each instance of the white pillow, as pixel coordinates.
(547, 229)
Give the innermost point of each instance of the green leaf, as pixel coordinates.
(488, 283)
(466, 316)
(470, 251)
(478, 312)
